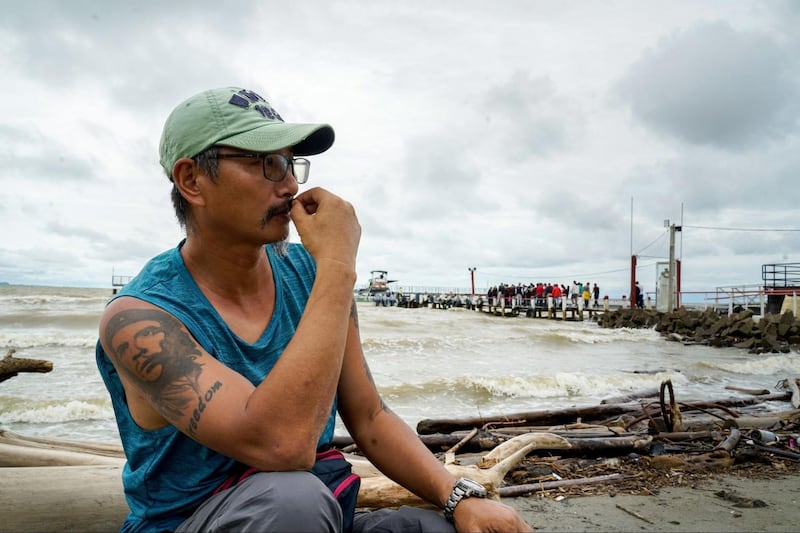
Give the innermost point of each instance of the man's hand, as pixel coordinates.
(327, 226)
(480, 514)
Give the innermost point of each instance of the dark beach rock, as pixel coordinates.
(771, 333)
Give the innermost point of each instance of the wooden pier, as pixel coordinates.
(570, 312)
(529, 308)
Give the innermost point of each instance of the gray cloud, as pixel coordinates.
(714, 85)
(29, 155)
(528, 117)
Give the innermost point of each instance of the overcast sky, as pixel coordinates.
(533, 141)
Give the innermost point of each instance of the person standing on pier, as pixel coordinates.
(587, 295)
(639, 295)
(556, 294)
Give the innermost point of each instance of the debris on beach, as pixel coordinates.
(738, 500)
(639, 446)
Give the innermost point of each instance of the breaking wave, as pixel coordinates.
(54, 412)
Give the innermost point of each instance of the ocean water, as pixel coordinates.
(427, 363)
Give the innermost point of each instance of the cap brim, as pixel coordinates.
(303, 139)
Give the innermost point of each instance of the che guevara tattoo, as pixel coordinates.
(161, 358)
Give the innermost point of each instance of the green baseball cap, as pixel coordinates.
(239, 118)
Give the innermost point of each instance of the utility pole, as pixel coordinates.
(672, 271)
(472, 279)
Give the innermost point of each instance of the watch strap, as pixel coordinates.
(464, 488)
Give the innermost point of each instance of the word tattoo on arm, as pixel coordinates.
(201, 406)
(161, 359)
(354, 313)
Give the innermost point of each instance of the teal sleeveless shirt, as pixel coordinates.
(167, 474)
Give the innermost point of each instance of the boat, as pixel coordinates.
(379, 281)
(378, 289)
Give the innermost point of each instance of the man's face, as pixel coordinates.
(244, 200)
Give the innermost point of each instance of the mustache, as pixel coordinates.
(277, 210)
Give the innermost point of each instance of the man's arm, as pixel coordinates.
(170, 378)
(396, 450)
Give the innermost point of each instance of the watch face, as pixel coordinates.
(472, 487)
(464, 488)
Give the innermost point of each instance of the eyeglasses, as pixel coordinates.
(276, 166)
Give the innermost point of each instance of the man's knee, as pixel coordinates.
(278, 501)
(294, 501)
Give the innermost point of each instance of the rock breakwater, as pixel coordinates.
(771, 333)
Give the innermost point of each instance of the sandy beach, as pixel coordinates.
(718, 504)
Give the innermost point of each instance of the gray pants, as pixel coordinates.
(298, 502)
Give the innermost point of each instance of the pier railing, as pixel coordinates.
(781, 275)
(729, 299)
(119, 281)
(424, 289)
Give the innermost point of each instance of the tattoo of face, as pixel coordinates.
(161, 359)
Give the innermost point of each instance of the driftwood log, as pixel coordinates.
(556, 417)
(21, 451)
(793, 385)
(633, 396)
(528, 488)
(10, 366)
(731, 441)
(62, 498)
(754, 392)
(534, 418)
(379, 491)
(489, 440)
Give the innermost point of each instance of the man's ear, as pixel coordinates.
(185, 176)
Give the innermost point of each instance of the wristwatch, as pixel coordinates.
(464, 488)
